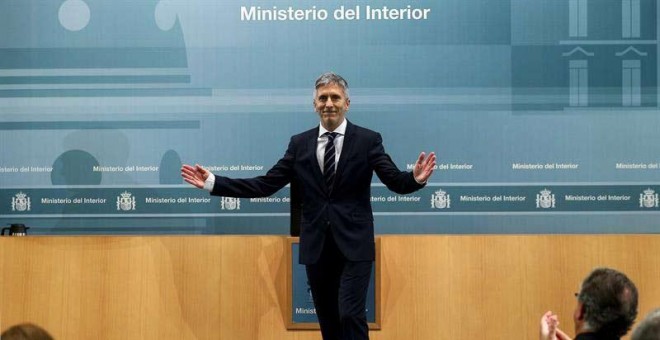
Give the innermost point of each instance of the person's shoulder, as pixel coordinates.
(311, 133)
(361, 130)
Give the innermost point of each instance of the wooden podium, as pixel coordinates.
(297, 287)
(235, 287)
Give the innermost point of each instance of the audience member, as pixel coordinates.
(606, 308)
(25, 331)
(649, 328)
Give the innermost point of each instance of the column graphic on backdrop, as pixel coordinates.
(625, 50)
(624, 55)
(77, 49)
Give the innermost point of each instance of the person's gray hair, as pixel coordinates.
(331, 78)
(609, 299)
(649, 328)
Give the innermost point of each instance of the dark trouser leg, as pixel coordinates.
(339, 288)
(353, 288)
(324, 277)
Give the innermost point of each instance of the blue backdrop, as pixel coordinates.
(543, 113)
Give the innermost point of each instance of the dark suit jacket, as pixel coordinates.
(596, 336)
(346, 211)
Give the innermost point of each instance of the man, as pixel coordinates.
(649, 328)
(333, 165)
(606, 308)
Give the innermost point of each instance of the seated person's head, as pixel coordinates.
(25, 331)
(649, 328)
(607, 303)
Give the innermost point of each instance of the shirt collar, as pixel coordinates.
(341, 129)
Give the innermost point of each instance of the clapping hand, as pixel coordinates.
(550, 328)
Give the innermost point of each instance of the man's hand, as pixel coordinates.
(550, 328)
(194, 175)
(424, 167)
(549, 325)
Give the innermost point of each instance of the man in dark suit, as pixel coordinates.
(332, 164)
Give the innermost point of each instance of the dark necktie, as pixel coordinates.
(329, 160)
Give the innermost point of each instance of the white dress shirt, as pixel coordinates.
(322, 141)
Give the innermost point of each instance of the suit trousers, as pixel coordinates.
(339, 289)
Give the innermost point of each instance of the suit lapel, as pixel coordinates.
(312, 144)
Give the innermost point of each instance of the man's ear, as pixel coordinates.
(579, 311)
